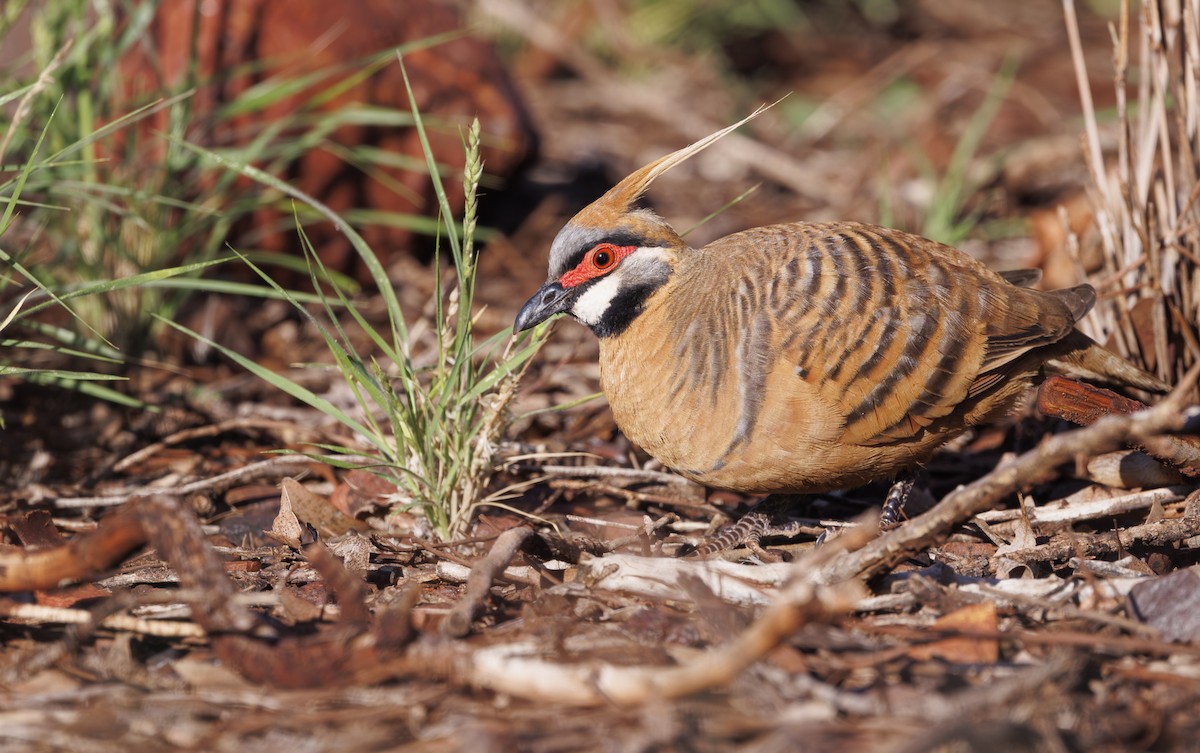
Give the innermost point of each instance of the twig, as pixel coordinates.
(663, 579)
(175, 532)
(452, 572)
(273, 468)
(1158, 533)
(1103, 508)
(458, 623)
(630, 475)
(957, 507)
(84, 558)
(159, 628)
(631, 496)
(208, 430)
(350, 591)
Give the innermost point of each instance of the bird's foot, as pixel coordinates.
(767, 518)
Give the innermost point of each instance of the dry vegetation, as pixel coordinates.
(1048, 601)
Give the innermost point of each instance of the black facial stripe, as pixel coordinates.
(624, 308)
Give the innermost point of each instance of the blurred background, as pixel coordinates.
(144, 136)
(958, 120)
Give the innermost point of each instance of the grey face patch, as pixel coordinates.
(569, 246)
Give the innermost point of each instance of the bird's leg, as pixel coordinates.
(767, 518)
(897, 497)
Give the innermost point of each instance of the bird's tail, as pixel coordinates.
(1077, 355)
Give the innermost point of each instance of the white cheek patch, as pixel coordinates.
(591, 306)
(638, 267)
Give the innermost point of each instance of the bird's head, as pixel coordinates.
(602, 274)
(611, 257)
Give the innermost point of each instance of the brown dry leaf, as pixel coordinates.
(1170, 604)
(1053, 255)
(1142, 319)
(1023, 535)
(354, 551)
(963, 649)
(317, 511)
(35, 529)
(360, 492)
(968, 548)
(299, 607)
(64, 598)
(286, 527)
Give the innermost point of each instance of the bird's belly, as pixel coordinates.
(787, 461)
(792, 446)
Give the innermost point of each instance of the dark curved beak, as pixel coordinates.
(550, 299)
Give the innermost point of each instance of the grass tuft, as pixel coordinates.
(112, 189)
(1147, 203)
(429, 417)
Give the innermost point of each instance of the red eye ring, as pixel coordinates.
(598, 262)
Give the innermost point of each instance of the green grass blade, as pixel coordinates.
(283, 384)
(108, 286)
(431, 165)
(562, 406)
(60, 349)
(58, 375)
(378, 274)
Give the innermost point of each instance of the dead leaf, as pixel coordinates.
(286, 527)
(64, 598)
(361, 492)
(317, 510)
(354, 551)
(1169, 604)
(964, 649)
(298, 607)
(36, 529)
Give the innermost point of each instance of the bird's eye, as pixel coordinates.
(603, 258)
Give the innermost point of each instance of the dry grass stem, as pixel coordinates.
(25, 107)
(1146, 209)
(37, 613)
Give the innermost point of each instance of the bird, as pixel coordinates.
(804, 357)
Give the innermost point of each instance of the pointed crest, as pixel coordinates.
(621, 197)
